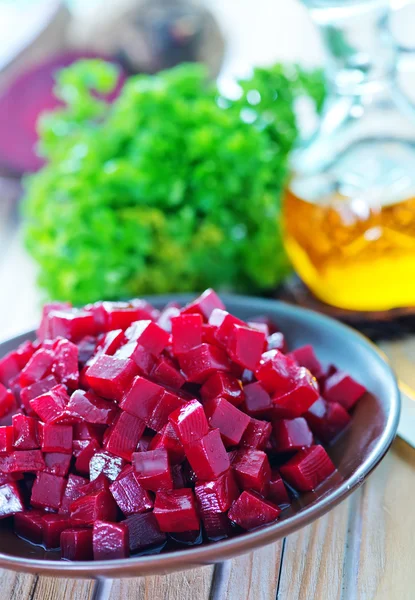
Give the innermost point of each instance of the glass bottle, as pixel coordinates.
(349, 208)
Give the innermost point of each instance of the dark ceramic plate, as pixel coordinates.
(356, 453)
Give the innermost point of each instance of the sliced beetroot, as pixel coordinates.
(276, 341)
(57, 438)
(189, 422)
(57, 463)
(52, 526)
(167, 403)
(230, 421)
(50, 405)
(277, 492)
(256, 435)
(47, 491)
(144, 532)
(342, 388)
(306, 357)
(204, 304)
(25, 432)
(88, 509)
(327, 419)
(65, 364)
(124, 435)
(186, 332)
(223, 385)
(109, 376)
(36, 389)
(129, 494)
(257, 400)
(167, 439)
(141, 398)
(292, 434)
(149, 335)
(76, 544)
(250, 511)
(91, 408)
(218, 495)
(7, 400)
(84, 453)
(28, 525)
(175, 511)
(11, 500)
(166, 373)
(110, 540)
(6, 439)
(245, 346)
(201, 362)
(106, 463)
(153, 469)
(252, 471)
(308, 468)
(207, 456)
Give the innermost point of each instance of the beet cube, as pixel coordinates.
(129, 494)
(7, 400)
(22, 461)
(43, 332)
(76, 544)
(262, 327)
(230, 421)
(88, 431)
(71, 492)
(91, 408)
(110, 540)
(57, 438)
(204, 304)
(25, 433)
(6, 439)
(50, 405)
(57, 463)
(217, 525)
(300, 397)
(53, 525)
(100, 484)
(245, 346)
(189, 422)
(175, 511)
(275, 371)
(277, 491)
(256, 435)
(306, 357)
(144, 532)
(86, 349)
(93, 507)
(47, 491)
(143, 359)
(217, 496)
(225, 386)
(166, 404)
(168, 440)
(106, 463)
(201, 362)
(308, 468)
(38, 366)
(153, 469)
(65, 365)
(292, 434)
(141, 398)
(121, 314)
(109, 376)
(149, 335)
(342, 388)
(186, 332)
(83, 458)
(257, 400)
(327, 419)
(72, 325)
(28, 525)
(252, 470)
(276, 341)
(207, 456)
(165, 372)
(111, 341)
(36, 389)
(124, 435)
(11, 501)
(250, 511)
(9, 368)
(224, 323)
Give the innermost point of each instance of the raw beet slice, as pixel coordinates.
(189, 422)
(218, 495)
(110, 540)
(230, 421)
(252, 471)
(327, 419)
(277, 491)
(149, 335)
(57, 463)
(76, 544)
(166, 373)
(38, 366)
(168, 440)
(109, 376)
(36, 389)
(47, 491)
(6, 439)
(11, 501)
(50, 405)
(207, 456)
(251, 511)
(256, 435)
(141, 398)
(85, 454)
(52, 526)
(129, 494)
(153, 469)
(225, 386)
(106, 463)
(306, 357)
(292, 434)
(204, 304)
(167, 403)
(124, 435)
(201, 362)
(308, 468)
(91, 408)
(28, 525)
(186, 332)
(257, 400)
(175, 511)
(342, 388)
(65, 364)
(144, 532)
(245, 346)
(86, 510)
(22, 461)
(25, 433)
(7, 400)
(276, 341)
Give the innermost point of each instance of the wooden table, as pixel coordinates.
(362, 549)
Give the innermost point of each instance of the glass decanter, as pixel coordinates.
(349, 208)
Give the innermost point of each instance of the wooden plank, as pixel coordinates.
(53, 588)
(16, 586)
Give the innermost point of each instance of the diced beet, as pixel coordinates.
(276, 341)
(36, 389)
(57, 463)
(201, 362)
(186, 332)
(256, 435)
(207, 456)
(88, 431)
(250, 511)
(230, 421)
(50, 405)
(111, 341)
(43, 332)
(204, 304)
(292, 434)
(109, 376)
(124, 435)
(225, 386)
(91, 408)
(224, 322)
(143, 359)
(110, 540)
(153, 469)
(257, 400)
(342, 388)
(57, 438)
(167, 403)
(83, 458)
(166, 315)
(65, 365)
(300, 397)
(38, 366)
(100, 484)
(7, 400)
(327, 419)
(76, 544)
(175, 511)
(166, 373)
(71, 492)
(252, 470)
(144, 532)
(217, 496)
(129, 494)
(121, 315)
(47, 491)
(308, 468)
(28, 525)
(141, 398)
(245, 346)
(217, 525)
(22, 461)
(277, 491)
(25, 433)
(275, 371)
(167, 439)
(106, 463)
(53, 525)
(72, 325)
(262, 327)
(6, 439)
(86, 349)
(86, 510)
(306, 357)
(189, 422)
(11, 501)
(9, 368)
(209, 334)
(149, 335)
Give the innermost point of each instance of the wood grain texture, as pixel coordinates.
(50, 588)
(16, 586)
